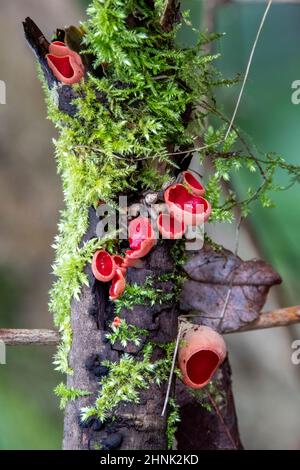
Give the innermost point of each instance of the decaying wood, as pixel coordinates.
(136, 426)
(12, 337)
(274, 319)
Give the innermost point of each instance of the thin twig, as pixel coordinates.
(242, 88)
(221, 418)
(273, 319)
(248, 68)
(236, 249)
(172, 370)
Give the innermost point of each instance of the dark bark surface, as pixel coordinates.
(200, 428)
(135, 426)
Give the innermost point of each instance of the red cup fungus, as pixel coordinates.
(201, 353)
(116, 322)
(120, 262)
(186, 207)
(103, 266)
(65, 64)
(169, 227)
(141, 238)
(118, 285)
(193, 184)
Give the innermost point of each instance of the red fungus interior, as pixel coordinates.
(63, 65)
(192, 181)
(180, 196)
(113, 291)
(170, 224)
(139, 230)
(59, 43)
(118, 260)
(136, 238)
(104, 263)
(115, 280)
(201, 366)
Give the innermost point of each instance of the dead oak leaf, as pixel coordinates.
(211, 273)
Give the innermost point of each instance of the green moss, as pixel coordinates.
(172, 422)
(126, 333)
(126, 379)
(214, 390)
(146, 294)
(68, 394)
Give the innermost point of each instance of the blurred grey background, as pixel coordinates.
(266, 384)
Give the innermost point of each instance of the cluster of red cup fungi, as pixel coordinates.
(65, 64)
(107, 267)
(186, 207)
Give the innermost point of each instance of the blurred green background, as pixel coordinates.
(266, 383)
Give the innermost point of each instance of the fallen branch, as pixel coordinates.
(29, 337)
(275, 318)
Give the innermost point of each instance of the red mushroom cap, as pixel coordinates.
(60, 49)
(169, 227)
(141, 238)
(193, 184)
(201, 353)
(117, 322)
(120, 262)
(187, 207)
(65, 64)
(65, 69)
(118, 285)
(103, 266)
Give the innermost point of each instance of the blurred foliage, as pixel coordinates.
(29, 413)
(268, 116)
(11, 292)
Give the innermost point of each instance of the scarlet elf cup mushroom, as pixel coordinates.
(103, 266)
(192, 183)
(65, 64)
(118, 285)
(187, 207)
(169, 227)
(201, 352)
(141, 239)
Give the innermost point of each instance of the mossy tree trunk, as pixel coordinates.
(138, 424)
(135, 426)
